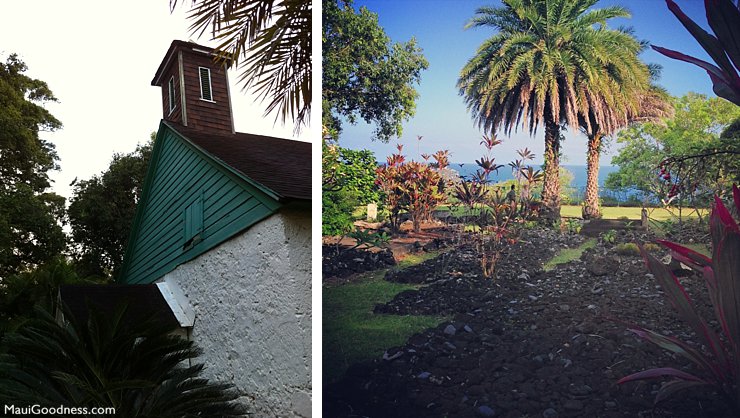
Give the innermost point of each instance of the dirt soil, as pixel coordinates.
(529, 343)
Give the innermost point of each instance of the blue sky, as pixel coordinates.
(441, 117)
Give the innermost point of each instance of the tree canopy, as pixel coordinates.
(697, 125)
(102, 210)
(550, 63)
(30, 216)
(365, 76)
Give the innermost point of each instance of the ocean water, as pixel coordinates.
(504, 173)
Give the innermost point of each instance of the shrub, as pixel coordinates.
(409, 186)
(628, 249)
(137, 367)
(498, 222)
(718, 364)
(608, 237)
(336, 214)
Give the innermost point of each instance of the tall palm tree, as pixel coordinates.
(620, 94)
(271, 41)
(651, 105)
(529, 73)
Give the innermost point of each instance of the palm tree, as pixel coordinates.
(620, 94)
(271, 41)
(651, 105)
(529, 73)
(136, 367)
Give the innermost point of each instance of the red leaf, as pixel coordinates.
(710, 68)
(723, 215)
(669, 389)
(680, 348)
(727, 272)
(687, 256)
(681, 300)
(660, 372)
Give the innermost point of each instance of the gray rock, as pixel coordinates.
(485, 411)
(549, 413)
(573, 405)
(450, 330)
(424, 375)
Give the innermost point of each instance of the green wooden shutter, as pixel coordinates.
(193, 222)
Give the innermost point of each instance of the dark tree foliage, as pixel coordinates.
(365, 76)
(102, 210)
(30, 217)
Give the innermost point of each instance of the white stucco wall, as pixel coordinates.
(252, 302)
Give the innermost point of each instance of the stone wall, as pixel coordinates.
(252, 301)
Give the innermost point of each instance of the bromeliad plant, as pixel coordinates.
(718, 364)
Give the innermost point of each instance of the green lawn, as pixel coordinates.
(612, 212)
(567, 255)
(352, 332)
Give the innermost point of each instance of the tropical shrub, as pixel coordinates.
(137, 367)
(497, 220)
(718, 363)
(336, 214)
(411, 187)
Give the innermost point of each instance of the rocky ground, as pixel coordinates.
(529, 343)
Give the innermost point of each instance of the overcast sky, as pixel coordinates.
(99, 57)
(441, 116)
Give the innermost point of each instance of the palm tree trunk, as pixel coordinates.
(551, 186)
(591, 198)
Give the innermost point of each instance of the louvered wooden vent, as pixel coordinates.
(205, 84)
(171, 93)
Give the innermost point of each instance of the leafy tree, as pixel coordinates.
(545, 66)
(270, 40)
(21, 293)
(137, 367)
(30, 217)
(697, 125)
(364, 75)
(348, 181)
(102, 210)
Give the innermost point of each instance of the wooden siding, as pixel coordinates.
(176, 114)
(179, 175)
(209, 116)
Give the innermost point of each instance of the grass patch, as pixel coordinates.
(353, 333)
(700, 248)
(413, 259)
(567, 255)
(633, 213)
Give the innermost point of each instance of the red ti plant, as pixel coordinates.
(723, 46)
(493, 217)
(408, 186)
(719, 364)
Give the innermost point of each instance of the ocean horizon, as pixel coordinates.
(505, 173)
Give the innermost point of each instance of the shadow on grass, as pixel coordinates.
(353, 333)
